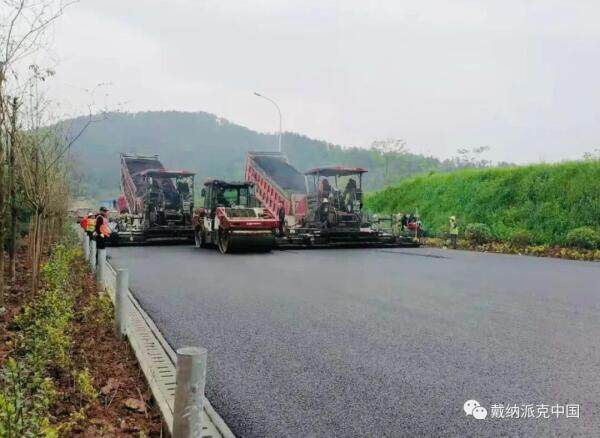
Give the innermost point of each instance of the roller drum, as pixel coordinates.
(246, 241)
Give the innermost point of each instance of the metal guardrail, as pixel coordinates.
(159, 361)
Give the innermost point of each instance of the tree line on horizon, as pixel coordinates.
(214, 147)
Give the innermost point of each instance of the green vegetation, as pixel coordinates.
(584, 238)
(214, 147)
(478, 234)
(539, 203)
(521, 238)
(40, 352)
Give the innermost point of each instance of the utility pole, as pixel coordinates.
(278, 111)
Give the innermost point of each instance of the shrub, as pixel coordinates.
(584, 238)
(69, 237)
(99, 310)
(25, 399)
(478, 233)
(444, 231)
(85, 386)
(41, 346)
(521, 238)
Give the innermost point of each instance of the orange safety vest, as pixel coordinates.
(104, 229)
(91, 224)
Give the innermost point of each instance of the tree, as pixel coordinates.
(43, 174)
(592, 156)
(23, 24)
(12, 185)
(388, 149)
(42, 165)
(471, 157)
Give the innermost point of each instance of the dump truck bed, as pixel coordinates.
(277, 183)
(285, 176)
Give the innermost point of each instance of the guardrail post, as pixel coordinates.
(93, 255)
(121, 301)
(190, 380)
(86, 246)
(101, 268)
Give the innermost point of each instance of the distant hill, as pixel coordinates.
(214, 147)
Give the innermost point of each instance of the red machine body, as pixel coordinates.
(232, 220)
(277, 183)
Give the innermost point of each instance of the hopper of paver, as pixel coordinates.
(277, 183)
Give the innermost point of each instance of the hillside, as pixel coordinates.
(213, 147)
(546, 200)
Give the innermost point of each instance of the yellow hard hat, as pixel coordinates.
(452, 218)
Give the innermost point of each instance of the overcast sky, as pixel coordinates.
(519, 76)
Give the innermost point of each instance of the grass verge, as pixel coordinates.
(511, 248)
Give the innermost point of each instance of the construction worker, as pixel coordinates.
(90, 225)
(418, 228)
(398, 224)
(83, 223)
(221, 200)
(350, 195)
(102, 230)
(453, 231)
(324, 188)
(375, 222)
(281, 217)
(324, 211)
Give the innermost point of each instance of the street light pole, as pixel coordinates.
(278, 111)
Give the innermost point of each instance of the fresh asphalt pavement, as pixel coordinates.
(381, 342)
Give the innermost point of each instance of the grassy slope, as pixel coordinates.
(546, 199)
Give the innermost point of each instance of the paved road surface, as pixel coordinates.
(380, 343)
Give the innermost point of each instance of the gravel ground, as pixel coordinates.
(381, 342)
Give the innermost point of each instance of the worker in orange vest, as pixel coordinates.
(83, 223)
(101, 229)
(90, 225)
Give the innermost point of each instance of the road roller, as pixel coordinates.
(232, 220)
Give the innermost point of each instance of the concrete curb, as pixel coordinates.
(157, 359)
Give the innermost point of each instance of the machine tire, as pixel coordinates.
(223, 244)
